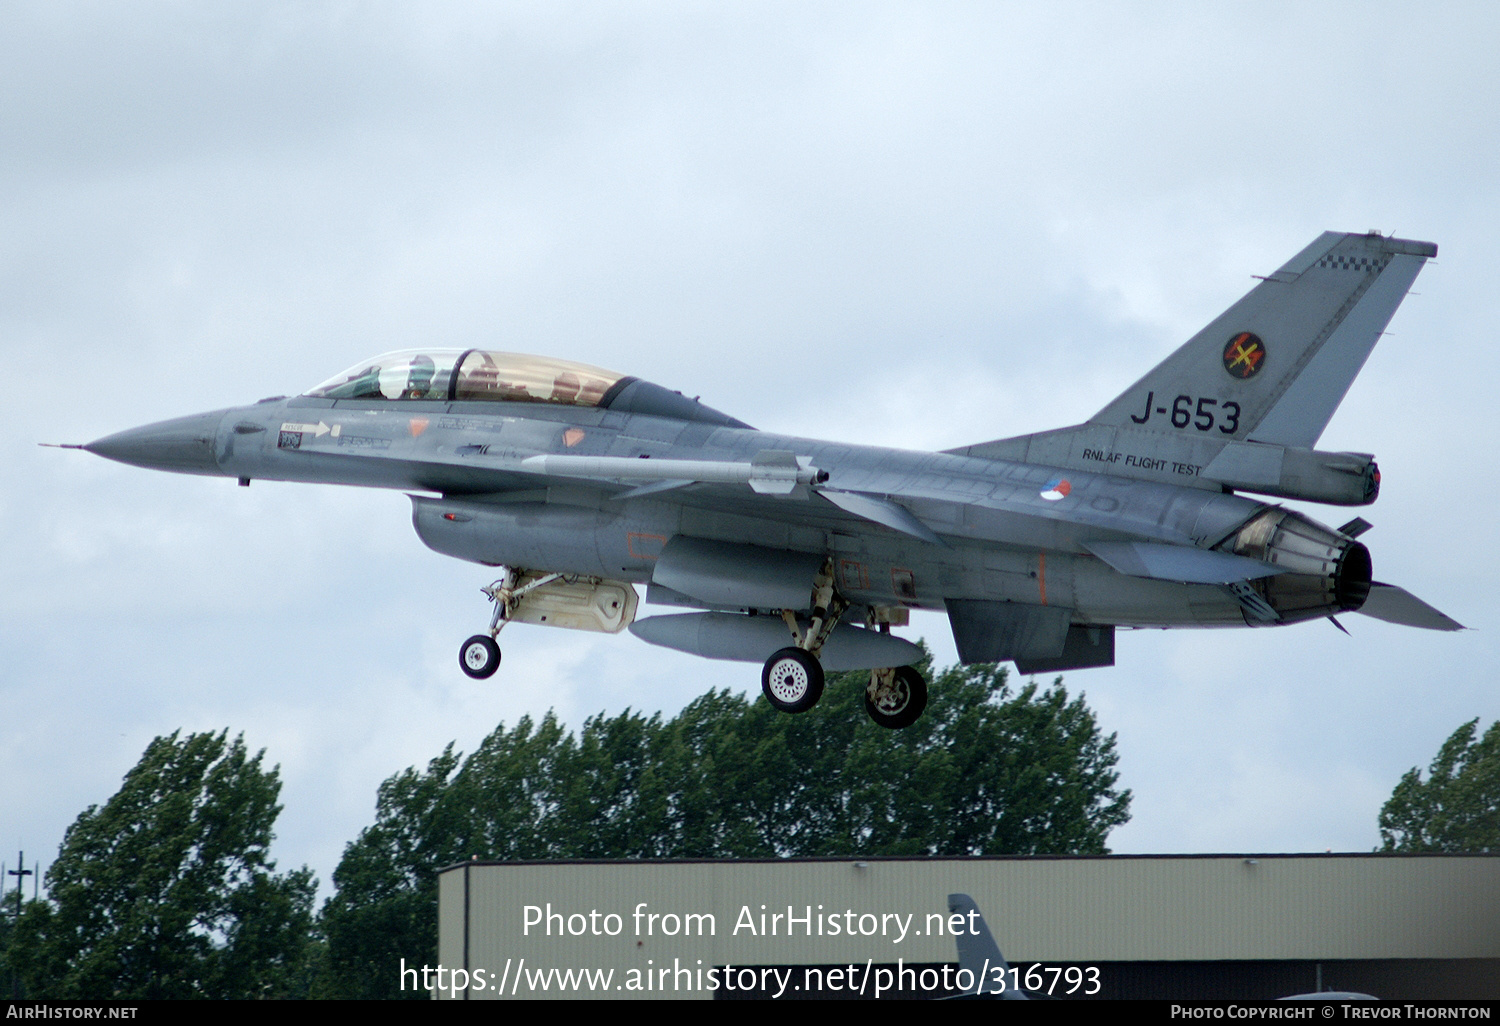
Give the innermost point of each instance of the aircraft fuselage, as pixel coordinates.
(1002, 540)
(582, 483)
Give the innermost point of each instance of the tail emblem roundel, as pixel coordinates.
(1244, 355)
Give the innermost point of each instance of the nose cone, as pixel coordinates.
(184, 445)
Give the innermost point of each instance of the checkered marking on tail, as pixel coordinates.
(1351, 263)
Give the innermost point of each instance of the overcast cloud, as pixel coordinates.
(907, 224)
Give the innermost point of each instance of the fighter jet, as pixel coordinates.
(580, 483)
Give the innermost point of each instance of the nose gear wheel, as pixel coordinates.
(479, 656)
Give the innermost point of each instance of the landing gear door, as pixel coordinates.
(580, 604)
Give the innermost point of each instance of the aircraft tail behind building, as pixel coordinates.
(1242, 403)
(979, 954)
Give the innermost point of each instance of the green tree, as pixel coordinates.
(385, 895)
(1457, 808)
(167, 891)
(988, 770)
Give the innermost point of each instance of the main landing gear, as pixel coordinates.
(792, 682)
(792, 679)
(895, 697)
(479, 656)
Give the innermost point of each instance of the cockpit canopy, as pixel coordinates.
(486, 375)
(454, 375)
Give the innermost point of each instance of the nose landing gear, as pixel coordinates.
(479, 656)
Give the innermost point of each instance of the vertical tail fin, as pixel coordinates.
(977, 950)
(1274, 366)
(1242, 403)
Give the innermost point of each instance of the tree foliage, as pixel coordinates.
(988, 770)
(167, 891)
(1457, 808)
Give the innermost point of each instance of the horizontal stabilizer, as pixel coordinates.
(882, 512)
(1397, 605)
(1179, 563)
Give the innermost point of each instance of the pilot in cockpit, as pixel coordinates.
(419, 379)
(565, 388)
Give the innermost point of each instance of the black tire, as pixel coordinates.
(907, 708)
(792, 680)
(479, 657)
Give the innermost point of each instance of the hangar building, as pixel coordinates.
(1113, 926)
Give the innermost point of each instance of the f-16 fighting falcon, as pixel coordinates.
(579, 483)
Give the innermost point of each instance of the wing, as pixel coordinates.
(1397, 605)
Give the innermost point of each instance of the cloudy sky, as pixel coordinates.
(920, 225)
